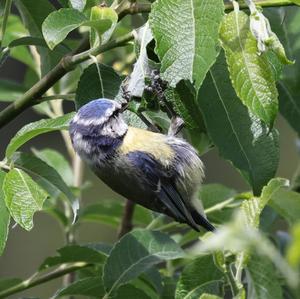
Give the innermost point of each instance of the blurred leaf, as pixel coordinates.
(23, 197)
(33, 14)
(36, 128)
(285, 22)
(78, 4)
(10, 91)
(91, 286)
(263, 283)
(15, 30)
(129, 291)
(240, 137)
(287, 204)
(74, 254)
(293, 251)
(186, 38)
(253, 207)
(4, 217)
(6, 283)
(191, 285)
(56, 160)
(45, 176)
(94, 85)
(289, 105)
(60, 23)
(110, 212)
(250, 73)
(238, 237)
(135, 253)
(296, 2)
(214, 194)
(169, 285)
(209, 296)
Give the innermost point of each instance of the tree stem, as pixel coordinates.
(32, 282)
(126, 224)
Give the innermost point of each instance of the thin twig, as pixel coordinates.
(63, 67)
(32, 281)
(126, 224)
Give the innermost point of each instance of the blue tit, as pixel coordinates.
(162, 173)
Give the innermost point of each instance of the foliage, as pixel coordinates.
(226, 72)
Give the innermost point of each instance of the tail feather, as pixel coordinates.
(202, 221)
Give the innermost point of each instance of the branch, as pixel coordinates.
(262, 3)
(126, 224)
(31, 282)
(66, 64)
(69, 62)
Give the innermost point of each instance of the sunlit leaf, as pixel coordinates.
(36, 128)
(60, 23)
(186, 35)
(23, 197)
(4, 216)
(250, 72)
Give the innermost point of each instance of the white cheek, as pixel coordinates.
(81, 146)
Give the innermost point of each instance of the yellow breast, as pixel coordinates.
(148, 142)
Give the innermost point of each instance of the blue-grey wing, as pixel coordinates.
(161, 180)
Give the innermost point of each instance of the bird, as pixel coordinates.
(160, 172)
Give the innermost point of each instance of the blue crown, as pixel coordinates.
(98, 109)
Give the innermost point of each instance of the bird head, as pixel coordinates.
(98, 124)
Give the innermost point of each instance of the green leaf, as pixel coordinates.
(129, 291)
(263, 282)
(191, 285)
(134, 254)
(253, 207)
(110, 212)
(36, 128)
(213, 195)
(60, 23)
(99, 13)
(209, 296)
(23, 197)
(74, 254)
(91, 286)
(239, 135)
(14, 30)
(33, 14)
(186, 35)
(183, 100)
(10, 91)
(250, 73)
(289, 105)
(56, 160)
(6, 283)
(296, 2)
(94, 85)
(45, 176)
(4, 216)
(287, 204)
(293, 251)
